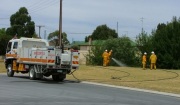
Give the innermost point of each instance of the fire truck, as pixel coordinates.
(36, 57)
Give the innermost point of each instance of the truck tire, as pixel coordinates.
(59, 77)
(39, 76)
(55, 77)
(62, 77)
(32, 73)
(10, 72)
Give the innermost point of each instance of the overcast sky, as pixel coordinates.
(81, 17)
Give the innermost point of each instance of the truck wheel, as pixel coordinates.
(10, 72)
(59, 77)
(32, 73)
(39, 76)
(55, 77)
(62, 77)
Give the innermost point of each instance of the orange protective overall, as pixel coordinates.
(105, 56)
(153, 59)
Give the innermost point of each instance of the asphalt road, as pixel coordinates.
(19, 90)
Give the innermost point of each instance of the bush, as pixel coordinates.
(123, 50)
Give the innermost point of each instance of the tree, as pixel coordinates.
(54, 38)
(95, 54)
(3, 41)
(123, 50)
(103, 32)
(144, 42)
(87, 38)
(21, 24)
(2, 31)
(167, 45)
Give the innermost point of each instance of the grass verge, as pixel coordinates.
(2, 67)
(159, 80)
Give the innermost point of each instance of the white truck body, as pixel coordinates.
(39, 59)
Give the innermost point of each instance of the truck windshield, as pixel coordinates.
(9, 46)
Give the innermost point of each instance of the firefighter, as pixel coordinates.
(110, 53)
(105, 56)
(144, 60)
(153, 59)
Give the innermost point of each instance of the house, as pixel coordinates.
(84, 48)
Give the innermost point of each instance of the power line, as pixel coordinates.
(41, 5)
(4, 18)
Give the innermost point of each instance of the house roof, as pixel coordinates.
(83, 43)
(77, 42)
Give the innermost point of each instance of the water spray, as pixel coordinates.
(119, 62)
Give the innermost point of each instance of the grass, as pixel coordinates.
(159, 80)
(2, 67)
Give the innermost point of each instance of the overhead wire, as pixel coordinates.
(36, 6)
(39, 6)
(34, 9)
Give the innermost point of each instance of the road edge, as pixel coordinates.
(134, 89)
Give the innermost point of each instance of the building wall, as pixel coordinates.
(83, 48)
(82, 56)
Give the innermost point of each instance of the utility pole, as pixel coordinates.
(126, 33)
(117, 28)
(39, 29)
(45, 34)
(60, 24)
(142, 20)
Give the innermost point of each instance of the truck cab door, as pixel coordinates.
(14, 47)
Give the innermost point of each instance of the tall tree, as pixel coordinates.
(21, 24)
(167, 45)
(87, 38)
(144, 43)
(53, 37)
(103, 32)
(3, 40)
(2, 31)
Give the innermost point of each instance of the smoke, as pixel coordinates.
(119, 62)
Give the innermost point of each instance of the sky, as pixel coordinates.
(81, 17)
